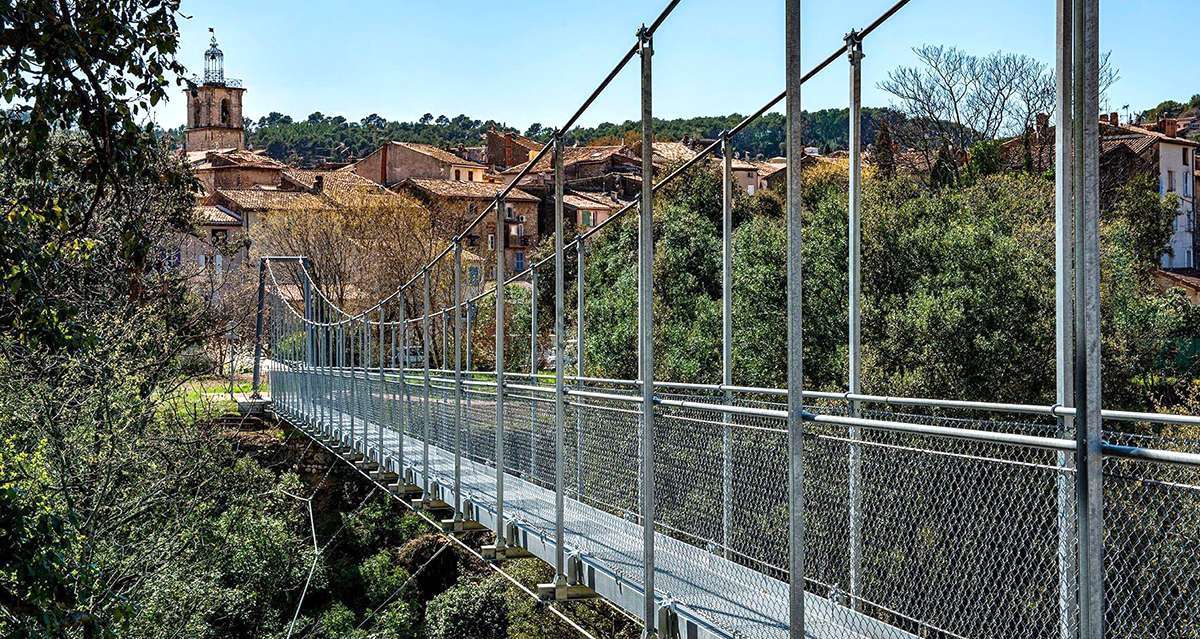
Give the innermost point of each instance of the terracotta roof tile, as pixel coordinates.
(441, 155)
(473, 190)
(271, 199)
(574, 155)
(216, 215)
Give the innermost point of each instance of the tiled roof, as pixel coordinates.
(216, 215)
(440, 155)
(582, 201)
(274, 200)
(473, 190)
(231, 157)
(347, 189)
(573, 155)
(672, 152)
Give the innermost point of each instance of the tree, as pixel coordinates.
(953, 99)
(883, 153)
(469, 610)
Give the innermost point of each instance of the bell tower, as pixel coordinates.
(214, 106)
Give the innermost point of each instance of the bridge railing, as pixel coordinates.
(839, 514)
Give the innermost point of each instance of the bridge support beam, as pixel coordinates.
(1089, 496)
(854, 313)
(795, 340)
(646, 331)
(426, 342)
(726, 339)
(580, 256)
(560, 406)
(497, 549)
(256, 382)
(458, 382)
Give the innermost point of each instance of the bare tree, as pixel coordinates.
(954, 99)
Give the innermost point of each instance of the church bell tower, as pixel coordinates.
(214, 105)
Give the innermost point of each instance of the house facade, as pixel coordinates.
(395, 162)
(454, 204)
(509, 149)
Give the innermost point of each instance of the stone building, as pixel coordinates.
(395, 162)
(509, 149)
(454, 204)
(214, 107)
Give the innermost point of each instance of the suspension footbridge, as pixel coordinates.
(718, 510)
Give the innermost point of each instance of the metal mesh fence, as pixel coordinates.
(955, 537)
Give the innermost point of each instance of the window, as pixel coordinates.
(586, 221)
(473, 275)
(472, 209)
(457, 174)
(1185, 156)
(520, 230)
(520, 260)
(1189, 264)
(1170, 181)
(470, 176)
(225, 111)
(491, 241)
(508, 210)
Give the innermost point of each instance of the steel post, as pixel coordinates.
(470, 367)
(795, 339)
(560, 411)
(533, 347)
(405, 408)
(379, 402)
(308, 345)
(255, 384)
(1064, 335)
(726, 339)
(854, 312)
(580, 253)
(426, 346)
(458, 385)
(646, 331)
(352, 405)
(501, 240)
(1089, 461)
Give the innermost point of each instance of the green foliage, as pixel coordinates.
(984, 158)
(1148, 218)
(479, 611)
(92, 68)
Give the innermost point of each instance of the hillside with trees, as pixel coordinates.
(319, 138)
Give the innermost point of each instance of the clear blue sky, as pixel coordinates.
(527, 61)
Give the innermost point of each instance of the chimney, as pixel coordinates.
(1114, 118)
(318, 184)
(1043, 125)
(383, 163)
(1170, 127)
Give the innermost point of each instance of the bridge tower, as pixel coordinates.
(214, 106)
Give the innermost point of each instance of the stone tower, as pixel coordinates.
(214, 106)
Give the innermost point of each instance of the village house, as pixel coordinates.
(588, 210)
(1127, 150)
(509, 149)
(455, 204)
(607, 170)
(395, 162)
